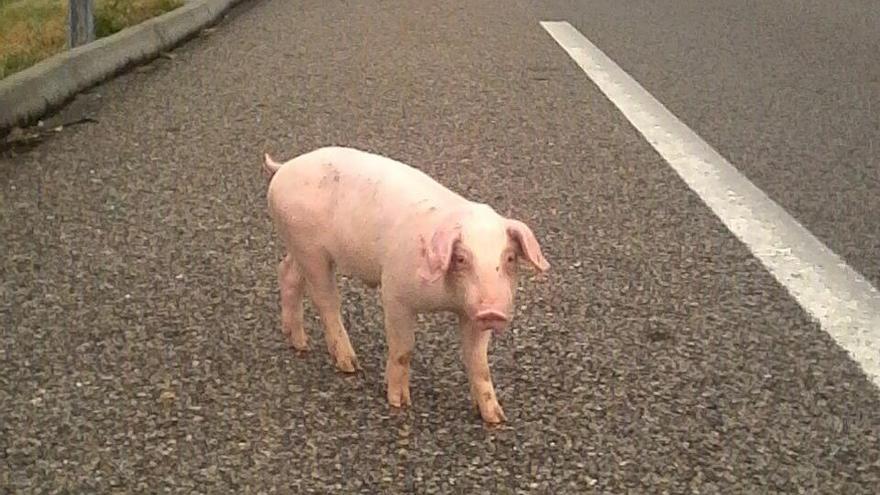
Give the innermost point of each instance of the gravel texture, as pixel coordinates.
(142, 351)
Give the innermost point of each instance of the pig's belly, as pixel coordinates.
(369, 277)
(358, 262)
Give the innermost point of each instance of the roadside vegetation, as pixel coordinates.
(32, 30)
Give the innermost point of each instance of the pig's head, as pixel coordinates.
(476, 253)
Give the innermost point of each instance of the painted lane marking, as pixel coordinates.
(845, 304)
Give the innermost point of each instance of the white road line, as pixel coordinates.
(843, 302)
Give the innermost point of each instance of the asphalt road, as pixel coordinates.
(788, 91)
(142, 351)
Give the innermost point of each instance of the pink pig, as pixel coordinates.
(392, 226)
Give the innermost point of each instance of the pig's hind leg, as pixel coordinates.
(292, 284)
(321, 279)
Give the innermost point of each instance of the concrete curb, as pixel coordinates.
(37, 90)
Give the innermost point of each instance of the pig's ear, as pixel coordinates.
(437, 254)
(529, 246)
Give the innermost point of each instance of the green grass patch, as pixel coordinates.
(32, 30)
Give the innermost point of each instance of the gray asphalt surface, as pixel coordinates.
(142, 350)
(788, 91)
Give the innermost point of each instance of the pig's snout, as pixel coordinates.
(492, 319)
(492, 315)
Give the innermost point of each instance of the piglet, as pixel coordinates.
(343, 210)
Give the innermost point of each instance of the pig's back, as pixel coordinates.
(398, 181)
(356, 181)
(349, 200)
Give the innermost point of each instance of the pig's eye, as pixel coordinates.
(459, 260)
(511, 258)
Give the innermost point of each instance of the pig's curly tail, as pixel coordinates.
(270, 166)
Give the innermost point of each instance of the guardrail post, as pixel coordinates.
(81, 23)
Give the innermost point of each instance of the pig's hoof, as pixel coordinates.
(399, 397)
(347, 364)
(343, 356)
(299, 343)
(492, 413)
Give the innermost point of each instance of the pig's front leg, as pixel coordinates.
(475, 353)
(400, 322)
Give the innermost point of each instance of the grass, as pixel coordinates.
(32, 30)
